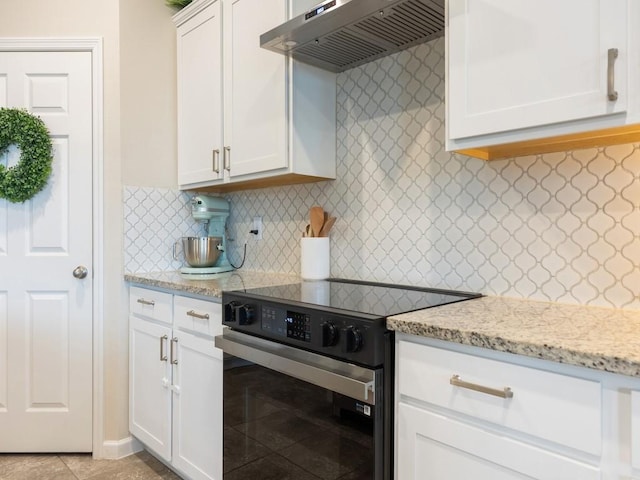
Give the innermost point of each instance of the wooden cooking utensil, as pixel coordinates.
(324, 231)
(316, 217)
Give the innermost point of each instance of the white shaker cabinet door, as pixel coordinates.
(635, 432)
(199, 57)
(255, 89)
(515, 64)
(431, 445)
(150, 385)
(197, 407)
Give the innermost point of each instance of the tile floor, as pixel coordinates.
(141, 466)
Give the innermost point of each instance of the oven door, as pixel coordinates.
(292, 414)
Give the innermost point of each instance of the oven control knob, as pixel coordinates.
(353, 340)
(230, 311)
(330, 334)
(245, 314)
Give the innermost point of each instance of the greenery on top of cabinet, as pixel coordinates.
(178, 3)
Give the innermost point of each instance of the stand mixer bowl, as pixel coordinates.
(201, 251)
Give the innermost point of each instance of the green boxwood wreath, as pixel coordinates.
(29, 176)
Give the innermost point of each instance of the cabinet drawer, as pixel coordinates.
(554, 407)
(432, 446)
(198, 316)
(151, 304)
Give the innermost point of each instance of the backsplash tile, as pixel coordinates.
(562, 227)
(154, 219)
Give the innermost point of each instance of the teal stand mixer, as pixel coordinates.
(212, 212)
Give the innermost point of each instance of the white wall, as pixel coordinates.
(139, 134)
(148, 108)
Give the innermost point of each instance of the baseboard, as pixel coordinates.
(115, 449)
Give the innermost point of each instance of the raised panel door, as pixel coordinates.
(197, 407)
(255, 89)
(200, 116)
(46, 314)
(150, 385)
(515, 64)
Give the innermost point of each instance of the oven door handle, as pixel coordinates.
(341, 377)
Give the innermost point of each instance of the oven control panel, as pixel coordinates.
(285, 323)
(341, 336)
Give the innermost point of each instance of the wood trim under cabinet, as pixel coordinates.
(277, 181)
(562, 143)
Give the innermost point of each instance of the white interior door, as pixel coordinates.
(45, 312)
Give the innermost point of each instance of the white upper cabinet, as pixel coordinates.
(256, 95)
(199, 49)
(249, 117)
(521, 70)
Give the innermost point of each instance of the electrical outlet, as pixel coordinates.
(257, 225)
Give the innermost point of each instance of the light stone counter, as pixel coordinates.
(600, 338)
(211, 285)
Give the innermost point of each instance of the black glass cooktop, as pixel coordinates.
(364, 297)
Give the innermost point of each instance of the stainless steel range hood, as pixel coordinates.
(340, 34)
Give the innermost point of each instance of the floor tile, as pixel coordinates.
(7, 458)
(45, 467)
(84, 466)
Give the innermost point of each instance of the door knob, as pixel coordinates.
(80, 271)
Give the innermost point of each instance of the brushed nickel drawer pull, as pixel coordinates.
(612, 54)
(226, 158)
(216, 157)
(201, 316)
(174, 354)
(504, 393)
(146, 302)
(163, 354)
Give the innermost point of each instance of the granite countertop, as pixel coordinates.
(212, 285)
(595, 337)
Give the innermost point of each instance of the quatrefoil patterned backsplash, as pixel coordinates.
(562, 227)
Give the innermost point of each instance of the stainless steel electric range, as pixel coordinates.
(308, 378)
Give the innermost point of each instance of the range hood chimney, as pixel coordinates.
(337, 35)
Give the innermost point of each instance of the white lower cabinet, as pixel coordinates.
(175, 382)
(432, 445)
(462, 416)
(197, 408)
(635, 432)
(150, 386)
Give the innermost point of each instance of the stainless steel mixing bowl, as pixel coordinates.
(201, 251)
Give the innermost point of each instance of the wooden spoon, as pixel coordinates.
(316, 216)
(324, 232)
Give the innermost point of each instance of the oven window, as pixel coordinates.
(277, 427)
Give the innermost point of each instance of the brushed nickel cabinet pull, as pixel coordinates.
(504, 393)
(227, 159)
(612, 54)
(216, 160)
(172, 352)
(163, 355)
(202, 316)
(146, 302)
